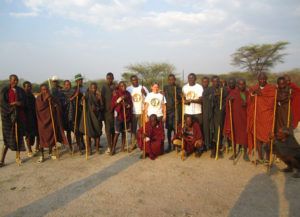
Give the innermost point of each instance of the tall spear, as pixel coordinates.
(289, 110)
(273, 128)
(85, 128)
(76, 111)
(219, 127)
(54, 130)
(182, 126)
(231, 129)
(175, 102)
(143, 120)
(125, 124)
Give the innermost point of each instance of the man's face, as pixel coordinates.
(281, 84)
(135, 81)
(215, 82)
(27, 88)
(55, 83)
(13, 81)
(122, 87)
(242, 85)
(67, 85)
(287, 79)
(191, 79)
(189, 121)
(44, 90)
(109, 79)
(171, 80)
(153, 121)
(79, 82)
(155, 88)
(231, 83)
(262, 80)
(205, 83)
(93, 88)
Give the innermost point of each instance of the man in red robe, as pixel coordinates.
(238, 98)
(295, 101)
(50, 130)
(192, 136)
(121, 100)
(154, 137)
(263, 122)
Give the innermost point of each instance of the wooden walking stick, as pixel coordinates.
(18, 160)
(175, 102)
(182, 126)
(125, 125)
(53, 127)
(76, 112)
(85, 129)
(289, 110)
(219, 127)
(254, 129)
(231, 129)
(144, 131)
(273, 129)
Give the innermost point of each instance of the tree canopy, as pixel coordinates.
(150, 72)
(258, 58)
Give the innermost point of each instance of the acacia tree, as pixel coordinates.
(150, 72)
(259, 58)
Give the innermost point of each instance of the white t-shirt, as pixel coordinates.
(155, 103)
(137, 98)
(192, 92)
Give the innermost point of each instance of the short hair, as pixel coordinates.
(241, 79)
(13, 75)
(122, 82)
(192, 74)
(65, 81)
(215, 77)
(171, 75)
(43, 85)
(262, 74)
(281, 78)
(155, 83)
(188, 116)
(205, 78)
(26, 82)
(93, 83)
(153, 116)
(133, 76)
(110, 74)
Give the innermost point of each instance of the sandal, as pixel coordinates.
(19, 161)
(29, 154)
(53, 157)
(40, 160)
(2, 164)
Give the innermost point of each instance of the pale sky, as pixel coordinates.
(41, 38)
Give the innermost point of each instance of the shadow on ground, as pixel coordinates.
(74, 190)
(261, 199)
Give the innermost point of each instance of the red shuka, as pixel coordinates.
(264, 114)
(239, 117)
(154, 147)
(118, 107)
(295, 105)
(189, 145)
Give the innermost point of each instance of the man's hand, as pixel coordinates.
(257, 92)
(143, 91)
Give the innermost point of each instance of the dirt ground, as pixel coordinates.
(125, 185)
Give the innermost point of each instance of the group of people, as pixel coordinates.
(215, 116)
